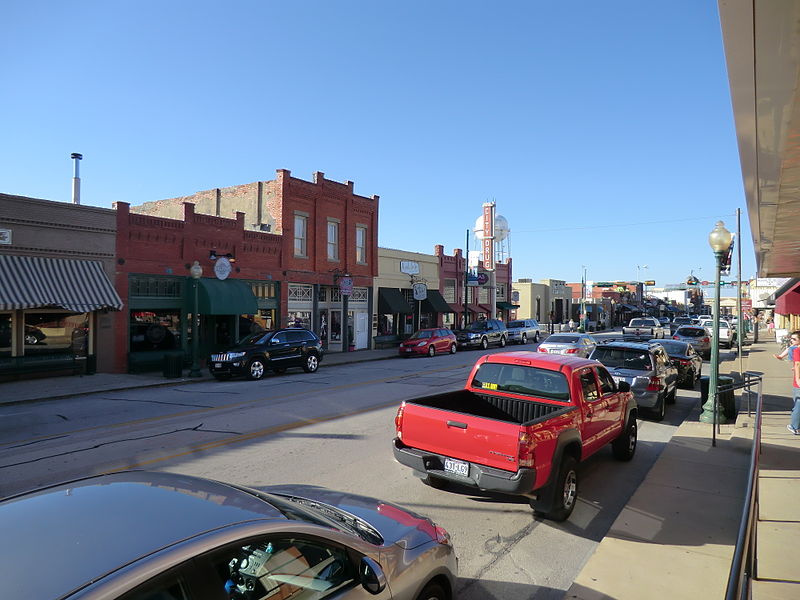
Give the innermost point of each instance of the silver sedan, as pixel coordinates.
(698, 337)
(162, 535)
(578, 344)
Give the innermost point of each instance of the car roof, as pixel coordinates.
(94, 526)
(552, 362)
(631, 345)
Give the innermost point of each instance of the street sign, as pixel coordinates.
(488, 236)
(420, 291)
(346, 286)
(483, 278)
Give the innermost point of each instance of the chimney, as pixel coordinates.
(76, 179)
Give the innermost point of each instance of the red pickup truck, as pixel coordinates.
(520, 426)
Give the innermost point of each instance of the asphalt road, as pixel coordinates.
(333, 429)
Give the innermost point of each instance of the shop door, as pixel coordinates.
(362, 330)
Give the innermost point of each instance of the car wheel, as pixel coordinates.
(453, 348)
(502, 341)
(671, 396)
(566, 490)
(688, 381)
(699, 374)
(433, 591)
(524, 338)
(255, 369)
(661, 410)
(31, 339)
(311, 364)
(536, 337)
(625, 445)
(484, 344)
(431, 350)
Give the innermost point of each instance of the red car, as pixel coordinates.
(429, 341)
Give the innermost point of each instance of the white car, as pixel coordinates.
(727, 334)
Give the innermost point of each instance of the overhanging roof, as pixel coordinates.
(222, 297)
(762, 49)
(39, 282)
(392, 301)
(435, 302)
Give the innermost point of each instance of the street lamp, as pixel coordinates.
(196, 272)
(719, 240)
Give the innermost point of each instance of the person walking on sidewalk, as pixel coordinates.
(794, 340)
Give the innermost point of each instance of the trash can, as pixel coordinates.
(726, 399)
(173, 364)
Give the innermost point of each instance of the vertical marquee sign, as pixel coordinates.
(488, 236)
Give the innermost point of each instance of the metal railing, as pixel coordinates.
(744, 566)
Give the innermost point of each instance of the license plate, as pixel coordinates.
(459, 467)
(217, 365)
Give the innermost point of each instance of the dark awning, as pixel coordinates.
(507, 306)
(435, 303)
(391, 301)
(222, 297)
(629, 307)
(38, 282)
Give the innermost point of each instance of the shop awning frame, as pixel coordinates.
(79, 286)
(221, 297)
(391, 301)
(435, 302)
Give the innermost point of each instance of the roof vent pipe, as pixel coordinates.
(76, 179)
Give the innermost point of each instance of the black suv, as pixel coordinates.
(276, 350)
(481, 334)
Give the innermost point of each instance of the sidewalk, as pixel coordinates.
(676, 536)
(51, 388)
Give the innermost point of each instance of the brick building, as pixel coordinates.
(328, 237)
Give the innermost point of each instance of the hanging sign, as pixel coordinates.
(222, 267)
(420, 291)
(488, 236)
(346, 286)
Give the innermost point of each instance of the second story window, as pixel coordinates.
(361, 244)
(333, 240)
(300, 235)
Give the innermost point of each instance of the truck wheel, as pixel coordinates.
(431, 350)
(502, 341)
(524, 338)
(566, 490)
(484, 344)
(625, 445)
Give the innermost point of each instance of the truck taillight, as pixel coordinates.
(398, 420)
(524, 450)
(654, 385)
(542, 349)
(571, 351)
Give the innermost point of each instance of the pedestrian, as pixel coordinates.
(794, 425)
(571, 325)
(770, 325)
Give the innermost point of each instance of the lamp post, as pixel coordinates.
(638, 276)
(584, 321)
(196, 272)
(719, 240)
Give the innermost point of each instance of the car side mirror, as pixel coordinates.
(624, 386)
(372, 576)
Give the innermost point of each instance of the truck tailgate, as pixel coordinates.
(475, 439)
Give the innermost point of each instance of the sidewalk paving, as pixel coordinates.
(676, 536)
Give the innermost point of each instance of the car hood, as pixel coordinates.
(396, 525)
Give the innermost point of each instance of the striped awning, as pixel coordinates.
(37, 282)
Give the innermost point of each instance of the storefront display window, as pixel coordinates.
(56, 333)
(5, 335)
(155, 330)
(336, 325)
(299, 318)
(386, 325)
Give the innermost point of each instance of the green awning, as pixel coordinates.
(391, 301)
(221, 297)
(435, 303)
(507, 306)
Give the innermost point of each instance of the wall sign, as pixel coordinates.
(5, 236)
(222, 267)
(409, 267)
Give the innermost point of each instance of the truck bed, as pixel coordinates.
(489, 406)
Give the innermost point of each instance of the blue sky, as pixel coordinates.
(603, 130)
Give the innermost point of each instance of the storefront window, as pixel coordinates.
(336, 326)
(56, 333)
(386, 325)
(299, 318)
(155, 330)
(5, 335)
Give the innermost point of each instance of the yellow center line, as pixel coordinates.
(219, 408)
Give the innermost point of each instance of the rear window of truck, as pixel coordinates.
(641, 323)
(518, 379)
(626, 358)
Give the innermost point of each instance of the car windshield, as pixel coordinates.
(255, 338)
(519, 379)
(626, 358)
(477, 326)
(516, 323)
(673, 347)
(691, 332)
(562, 339)
(641, 323)
(421, 335)
(682, 321)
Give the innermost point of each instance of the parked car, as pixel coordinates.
(33, 335)
(152, 536)
(688, 362)
(664, 321)
(646, 367)
(698, 337)
(579, 344)
(727, 334)
(522, 331)
(276, 350)
(520, 426)
(678, 321)
(482, 334)
(429, 341)
(643, 328)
